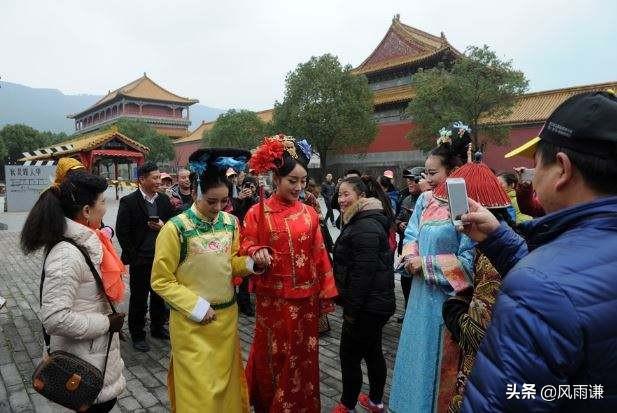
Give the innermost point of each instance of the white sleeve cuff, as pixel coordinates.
(200, 310)
(250, 265)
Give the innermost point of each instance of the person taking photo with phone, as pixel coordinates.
(440, 261)
(554, 324)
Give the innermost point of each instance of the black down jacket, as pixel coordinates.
(363, 265)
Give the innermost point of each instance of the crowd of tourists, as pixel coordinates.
(517, 294)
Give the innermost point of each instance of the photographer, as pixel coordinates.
(554, 323)
(247, 197)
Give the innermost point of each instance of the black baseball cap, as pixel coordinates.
(585, 123)
(413, 173)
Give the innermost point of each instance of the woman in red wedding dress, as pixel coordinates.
(283, 234)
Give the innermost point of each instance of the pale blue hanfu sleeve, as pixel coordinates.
(452, 272)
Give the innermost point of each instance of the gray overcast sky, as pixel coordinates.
(237, 53)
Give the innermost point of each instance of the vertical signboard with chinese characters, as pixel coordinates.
(24, 184)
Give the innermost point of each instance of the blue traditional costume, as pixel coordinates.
(427, 358)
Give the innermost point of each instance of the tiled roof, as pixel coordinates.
(142, 88)
(197, 134)
(86, 142)
(403, 45)
(392, 95)
(536, 107)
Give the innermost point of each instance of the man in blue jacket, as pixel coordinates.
(552, 342)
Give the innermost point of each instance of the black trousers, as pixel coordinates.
(244, 297)
(138, 303)
(406, 287)
(102, 407)
(330, 212)
(361, 340)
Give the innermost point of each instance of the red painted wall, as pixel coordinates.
(391, 138)
(518, 136)
(160, 111)
(184, 150)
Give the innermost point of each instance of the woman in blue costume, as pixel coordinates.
(440, 260)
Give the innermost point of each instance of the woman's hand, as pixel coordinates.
(414, 265)
(116, 321)
(262, 258)
(209, 317)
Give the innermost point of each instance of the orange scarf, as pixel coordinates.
(111, 269)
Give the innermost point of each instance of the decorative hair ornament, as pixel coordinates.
(461, 127)
(306, 148)
(225, 162)
(445, 136)
(269, 155)
(198, 167)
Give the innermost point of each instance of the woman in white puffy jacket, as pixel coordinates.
(74, 310)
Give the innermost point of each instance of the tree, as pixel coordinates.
(161, 148)
(325, 103)
(478, 88)
(237, 129)
(51, 138)
(20, 138)
(3, 151)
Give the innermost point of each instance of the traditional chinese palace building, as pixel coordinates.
(143, 100)
(390, 70)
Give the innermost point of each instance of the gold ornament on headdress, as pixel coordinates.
(290, 145)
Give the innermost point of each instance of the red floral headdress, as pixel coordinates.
(269, 155)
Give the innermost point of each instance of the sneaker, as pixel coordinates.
(341, 408)
(368, 405)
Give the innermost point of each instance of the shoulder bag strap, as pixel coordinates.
(99, 282)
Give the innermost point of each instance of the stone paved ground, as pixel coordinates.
(21, 344)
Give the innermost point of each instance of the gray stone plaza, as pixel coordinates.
(21, 341)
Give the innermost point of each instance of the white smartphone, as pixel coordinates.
(457, 199)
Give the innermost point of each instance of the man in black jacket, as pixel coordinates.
(141, 215)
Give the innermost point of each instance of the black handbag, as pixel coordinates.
(64, 378)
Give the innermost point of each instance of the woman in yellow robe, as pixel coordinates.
(196, 257)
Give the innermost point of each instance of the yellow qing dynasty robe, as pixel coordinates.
(194, 263)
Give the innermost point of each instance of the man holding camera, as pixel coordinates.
(554, 325)
(247, 197)
(141, 215)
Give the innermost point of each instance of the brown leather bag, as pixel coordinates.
(64, 378)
